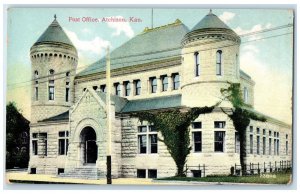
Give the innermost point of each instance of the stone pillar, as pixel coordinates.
(159, 84)
(132, 89)
(170, 83)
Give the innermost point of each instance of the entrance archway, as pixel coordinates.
(89, 145)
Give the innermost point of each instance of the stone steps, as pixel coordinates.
(85, 172)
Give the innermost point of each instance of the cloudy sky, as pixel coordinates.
(266, 57)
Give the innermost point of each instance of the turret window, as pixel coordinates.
(51, 90)
(219, 63)
(197, 64)
(51, 71)
(67, 91)
(36, 88)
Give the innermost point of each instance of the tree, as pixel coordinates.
(17, 138)
(174, 127)
(240, 116)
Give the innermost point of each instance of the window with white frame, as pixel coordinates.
(286, 145)
(147, 140)
(138, 87)
(219, 141)
(164, 80)
(36, 88)
(176, 81)
(63, 142)
(117, 89)
(67, 91)
(51, 89)
(153, 84)
(270, 142)
(127, 88)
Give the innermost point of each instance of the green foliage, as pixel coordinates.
(17, 152)
(174, 127)
(240, 116)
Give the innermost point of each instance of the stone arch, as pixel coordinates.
(88, 122)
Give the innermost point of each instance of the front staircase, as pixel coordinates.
(83, 172)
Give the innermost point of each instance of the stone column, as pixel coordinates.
(170, 83)
(159, 84)
(132, 89)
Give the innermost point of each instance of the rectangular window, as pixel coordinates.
(251, 144)
(34, 143)
(141, 173)
(258, 144)
(63, 141)
(278, 146)
(51, 92)
(164, 79)
(152, 173)
(270, 146)
(197, 138)
(176, 81)
(197, 64)
(117, 89)
(237, 142)
(275, 141)
(153, 82)
(147, 140)
(251, 129)
(286, 148)
(36, 91)
(67, 94)
(127, 88)
(103, 88)
(219, 141)
(219, 124)
(197, 125)
(264, 145)
(153, 143)
(219, 62)
(60, 170)
(43, 143)
(142, 144)
(137, 85)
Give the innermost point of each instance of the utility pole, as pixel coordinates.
(108, 122)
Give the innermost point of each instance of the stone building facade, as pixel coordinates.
(159, 69)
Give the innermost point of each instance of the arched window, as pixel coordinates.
(197, 64)
(245, 94)
(219, 62)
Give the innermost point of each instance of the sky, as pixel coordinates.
(267, 57)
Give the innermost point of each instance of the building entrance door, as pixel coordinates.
(90, 148)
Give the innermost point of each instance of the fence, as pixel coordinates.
(257, 168)
(197, 171)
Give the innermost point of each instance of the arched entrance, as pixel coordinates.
(89, 145)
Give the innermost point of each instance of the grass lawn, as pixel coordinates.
(275, 178)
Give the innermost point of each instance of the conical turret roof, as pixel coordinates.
(210, 21)
(54, 33)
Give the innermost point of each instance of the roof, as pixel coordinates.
(152, 104)
(244, 74)
(151, 45)
(210, 21)
(54, 33)
(119, 101)
(60, 117)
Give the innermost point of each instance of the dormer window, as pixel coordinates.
(219, 62)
